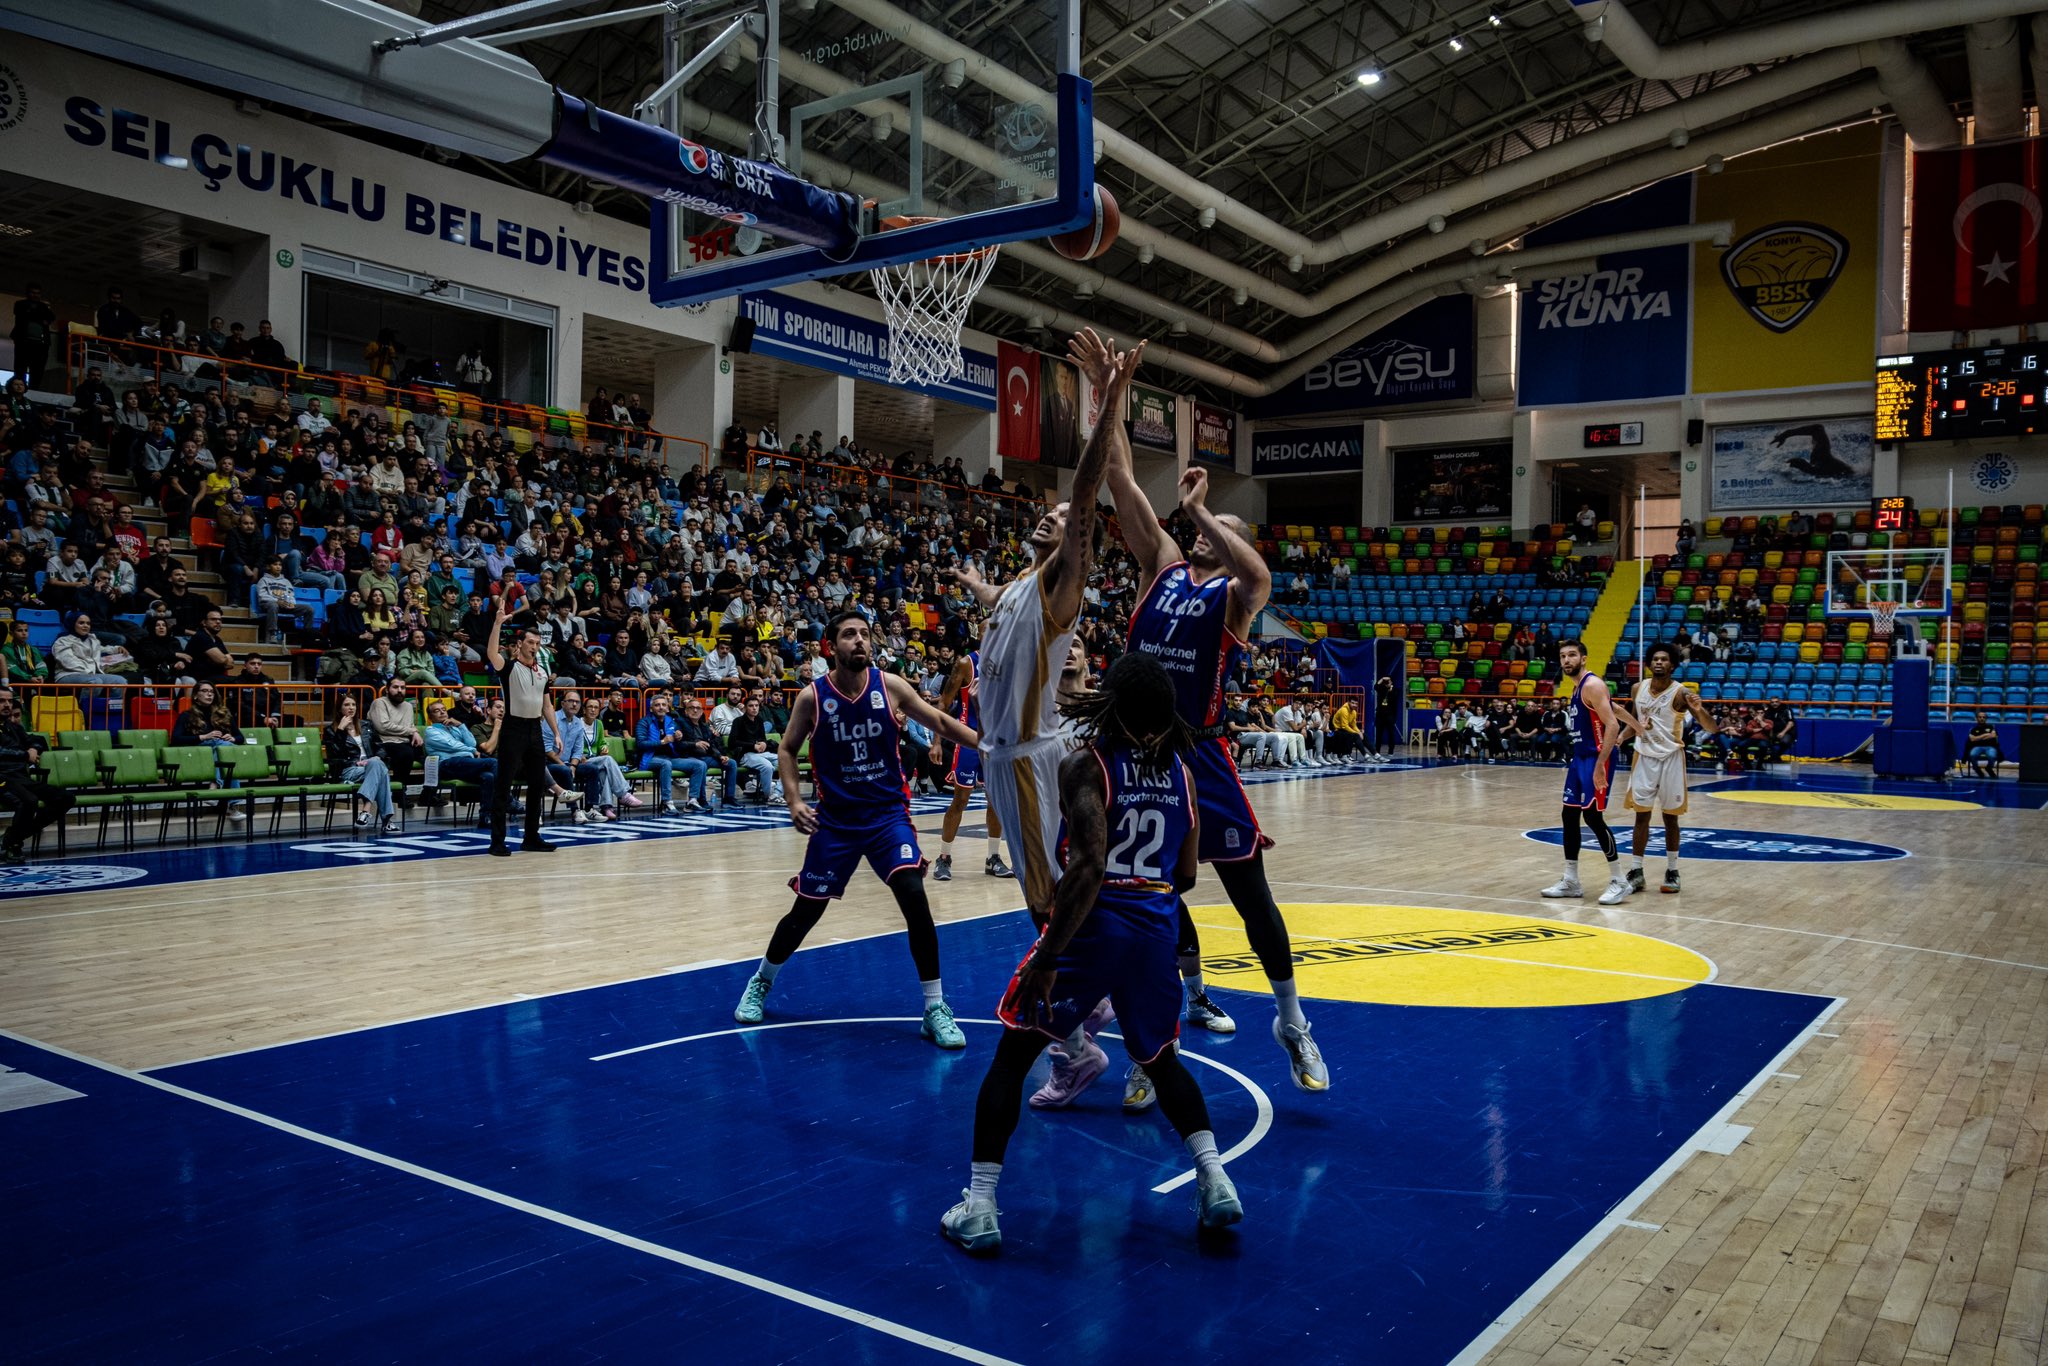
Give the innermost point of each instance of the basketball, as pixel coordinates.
(1085, 244)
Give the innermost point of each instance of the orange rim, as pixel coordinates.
(898, 221)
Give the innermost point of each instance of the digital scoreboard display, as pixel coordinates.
(1891, 514)
(1615, 434)
(1950, 395)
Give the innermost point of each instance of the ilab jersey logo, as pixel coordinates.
(1779, 274)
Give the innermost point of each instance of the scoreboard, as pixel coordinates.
(1949, 395)
(1892, 514)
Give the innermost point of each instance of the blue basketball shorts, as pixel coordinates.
(1583, 787)
(835, 851)
(1230, 832)
(1135, 968)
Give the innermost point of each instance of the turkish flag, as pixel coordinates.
(1980, 257)
(1016, 403)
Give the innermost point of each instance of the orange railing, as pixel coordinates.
(194, 372)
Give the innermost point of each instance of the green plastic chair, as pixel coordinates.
(144, 739)
(75, 771)
(84, 739)
(258, 735)
(190, 771)
(127, 773)
(297, 735)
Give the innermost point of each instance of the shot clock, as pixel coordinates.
(1891, 514)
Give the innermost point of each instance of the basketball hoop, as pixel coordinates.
(1883, 616)
(926, 303)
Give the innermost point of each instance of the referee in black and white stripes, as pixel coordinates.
(520, 751)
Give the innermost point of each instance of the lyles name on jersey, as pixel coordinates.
(1136, 786)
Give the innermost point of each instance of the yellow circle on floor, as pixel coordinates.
(1849, 801)
(1433, 956)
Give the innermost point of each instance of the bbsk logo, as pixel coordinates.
(1779, 274)
(37, 879)
(13, 100)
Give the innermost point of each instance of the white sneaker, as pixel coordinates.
(1617, 892)
(1138, 1093)
(1220, 1207)
(972, 1224)
(1564, 887)
(580, 818)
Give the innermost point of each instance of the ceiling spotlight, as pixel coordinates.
(1207, 217)
(1494, 20)
(1369, 77)
(1239, 295)
(1457, 45)
(1295, 263)
(1146, 254)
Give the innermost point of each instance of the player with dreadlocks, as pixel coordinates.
(1129, 839)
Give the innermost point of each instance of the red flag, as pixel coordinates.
(1016, 403)
(1980, 255)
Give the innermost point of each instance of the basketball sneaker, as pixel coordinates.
(938, 1026)
(995, 867)
(749, 1011)
(1220, 1207)
(972, 1224)
(1206, 1013)
(1070, 1077)
(1564, 887)
(1618, 891)
(1670, 883)
(942, 868)
(1304, 1059)
(1635, 881)
(1138, 1093)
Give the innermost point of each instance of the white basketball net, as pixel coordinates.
(1883, 616)
(926, 305)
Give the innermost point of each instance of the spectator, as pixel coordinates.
(159, 656)
(266, 349)
(655, 748)
(352, 757)
(35, 324)
(1586, 522)
(747, 745)
(275, 597)
(399, 742)
(472, 375)
(115, 321)
(699, 747)
(81, 658)
(35, 803)
(207, 721)
(416, 661)
(1980, 747)
(1555, 734)
(454, 745)
(257, 701)
(1688, 538)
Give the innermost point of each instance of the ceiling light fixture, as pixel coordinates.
(1457, 45)
(1369, 77)
(1494, 20)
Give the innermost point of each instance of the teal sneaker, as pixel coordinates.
(938, 1026)
(1220, 1207)
(749, 1010)
(972, 1224)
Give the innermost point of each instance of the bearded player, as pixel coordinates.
(1656, 782)
(1593, 730)
(1193, 619)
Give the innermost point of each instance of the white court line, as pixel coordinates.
(516, 999)
(851, 1315)
(1262, 1102)
(1473, 955)
(1619, 1215)
(1672, 915)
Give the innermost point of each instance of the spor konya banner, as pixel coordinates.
(1793, 300)
(1620, 332)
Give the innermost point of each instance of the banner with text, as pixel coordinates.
(1793, 300)
(1426, 357)
(1438, 483)
(1309, 450)
(1215, 435)
(1153, 418)
(791, 328)
(1773, 465)
(1621, 332)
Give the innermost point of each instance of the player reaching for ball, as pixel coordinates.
(1130, 833)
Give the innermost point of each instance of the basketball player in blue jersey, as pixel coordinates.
(1193, 620)
(961, 698)
(1593, 729)
(1129, 833)
(863, 811)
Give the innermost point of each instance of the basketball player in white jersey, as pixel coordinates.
(1657, 782)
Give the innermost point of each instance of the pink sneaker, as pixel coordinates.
(1099, 1018)
(1069, 1078)
(632, 800)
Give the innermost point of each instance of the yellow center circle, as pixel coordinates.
(1432, 956)
(1849, 801)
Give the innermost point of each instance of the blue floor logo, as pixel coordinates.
(1750, 846)
(33, 879)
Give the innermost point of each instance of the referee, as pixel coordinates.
(520, 751)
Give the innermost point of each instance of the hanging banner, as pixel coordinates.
(1621, 332)
(1215, 436)
(1793, 465)
(1153, 414)
(1016, 403)
(1793, 301)
(1439, 483)
(1980, 258)
(1059, 412)
(791, 328)
(1426, 357)
(1309, 450)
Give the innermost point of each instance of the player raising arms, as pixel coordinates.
(1130, 838)
(863, 810)
(1591, 723)
(1657, 780)
(961, 697)
(1193, 619)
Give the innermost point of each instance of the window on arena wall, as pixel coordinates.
(1314, 499)
(345, 320)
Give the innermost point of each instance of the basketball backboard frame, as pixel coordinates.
(1855, 577)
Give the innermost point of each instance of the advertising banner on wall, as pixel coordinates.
(1215, 435)
(1621, 332)
(1792, 464)
(1792, 302)
(1425, 357)
(1153, 418)
(808, 333)
(1309, 450)
(1440, 483)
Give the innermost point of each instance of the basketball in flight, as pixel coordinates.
(1085, 244)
